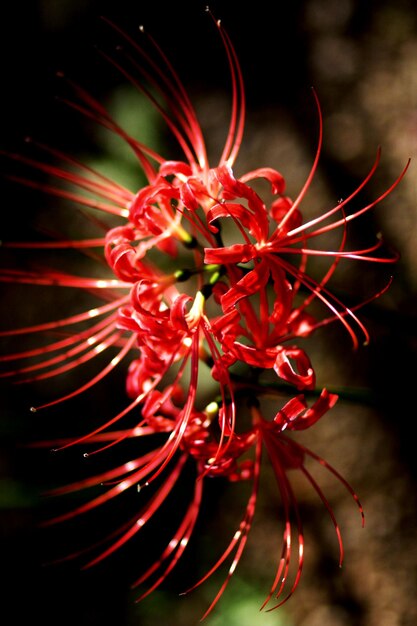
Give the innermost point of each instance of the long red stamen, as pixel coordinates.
(237, 120)
(176, 546)
(239, 538)
(329, 299)
(73, 319)
(59, 279)
(94, 336)
(172, 90)
(106, 370)
(347, 218)
(149, 511)
(310, 177)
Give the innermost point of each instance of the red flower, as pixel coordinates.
(230, 310)
(284, 454)
(264, 248)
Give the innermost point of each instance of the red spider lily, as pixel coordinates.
(284, 454)
(219, 307)
(152, 219)
(265, 249)
(193, 192)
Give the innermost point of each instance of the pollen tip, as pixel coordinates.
(54, 450)
(86, 455)
(141, 28)
(60, 74)
(33, 409)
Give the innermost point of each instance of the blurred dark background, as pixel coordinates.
(361, 57)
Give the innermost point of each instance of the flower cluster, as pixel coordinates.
(208, 280)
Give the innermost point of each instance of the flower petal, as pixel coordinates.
(251, 283)
(305, 377)
(275, 178)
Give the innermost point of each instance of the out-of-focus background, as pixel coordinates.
(361, 58)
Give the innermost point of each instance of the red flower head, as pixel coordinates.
(181, 303)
